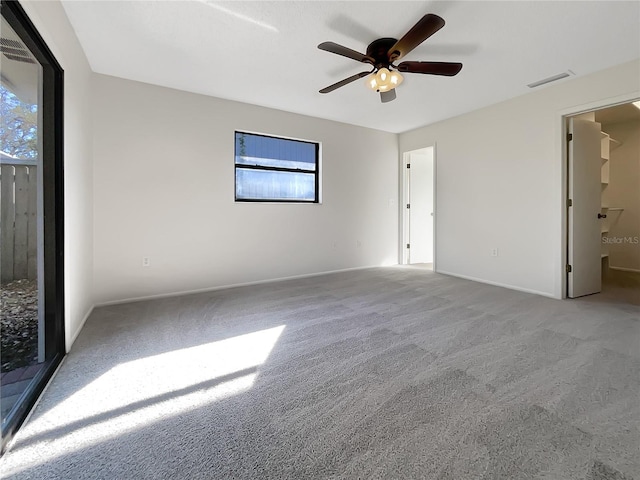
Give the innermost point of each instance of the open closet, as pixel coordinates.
(604, 202)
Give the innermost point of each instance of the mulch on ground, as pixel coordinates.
(19, 324)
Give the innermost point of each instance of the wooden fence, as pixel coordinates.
(18, 220)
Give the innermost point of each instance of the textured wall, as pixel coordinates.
(52, 23)
(500, 178)
(164, 188)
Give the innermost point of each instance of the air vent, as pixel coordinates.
(14, 50)
(544, 81)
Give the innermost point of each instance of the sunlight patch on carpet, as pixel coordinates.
(137, 393)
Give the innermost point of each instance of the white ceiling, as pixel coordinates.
(264, 52)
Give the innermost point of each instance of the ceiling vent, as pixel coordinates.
(544, 81)
(14, 50)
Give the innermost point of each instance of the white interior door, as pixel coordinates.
(421, 206)
(585, 193)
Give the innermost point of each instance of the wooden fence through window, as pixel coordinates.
(18, 220)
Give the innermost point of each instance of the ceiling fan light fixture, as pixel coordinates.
(384, 80)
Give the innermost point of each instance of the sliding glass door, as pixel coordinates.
(31, 229)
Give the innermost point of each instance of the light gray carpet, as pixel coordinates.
(382, 373)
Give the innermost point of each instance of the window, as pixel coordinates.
(31, 216)
(272, 169)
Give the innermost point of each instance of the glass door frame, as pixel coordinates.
(52, 164)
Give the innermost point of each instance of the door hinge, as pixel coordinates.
(408, 165)
(569, 137)
(408, 205)
(569, 203)
(569, 269)
(408, 245)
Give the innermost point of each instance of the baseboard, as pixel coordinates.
(79, 329)
(224, 287)
(498, 284)
(624, 269)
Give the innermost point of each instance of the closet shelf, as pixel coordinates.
(614, 209)
(617, 143)
(614, 143)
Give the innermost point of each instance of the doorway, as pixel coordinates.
(31, 221)
(603, 204)
(419, 182)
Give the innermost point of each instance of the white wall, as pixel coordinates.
(500, 180)
(164, 188)
(624, 191)
(53, 25)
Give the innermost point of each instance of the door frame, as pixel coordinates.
(52, 240)
(562, 144)
(404, 200)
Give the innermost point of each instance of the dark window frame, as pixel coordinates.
(315, 172)
(53, 204)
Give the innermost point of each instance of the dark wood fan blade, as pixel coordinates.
(448, 69)
(388, 96)
(426, 26)
(345, 52)
(344, 82)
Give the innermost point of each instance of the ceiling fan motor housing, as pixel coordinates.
(379, 51)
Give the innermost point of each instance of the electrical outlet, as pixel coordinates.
(494, 252)
(146, 262)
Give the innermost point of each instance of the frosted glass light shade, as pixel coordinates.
(383, 77)
(396, 79)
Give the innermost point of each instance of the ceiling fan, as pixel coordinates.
(383, 52)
